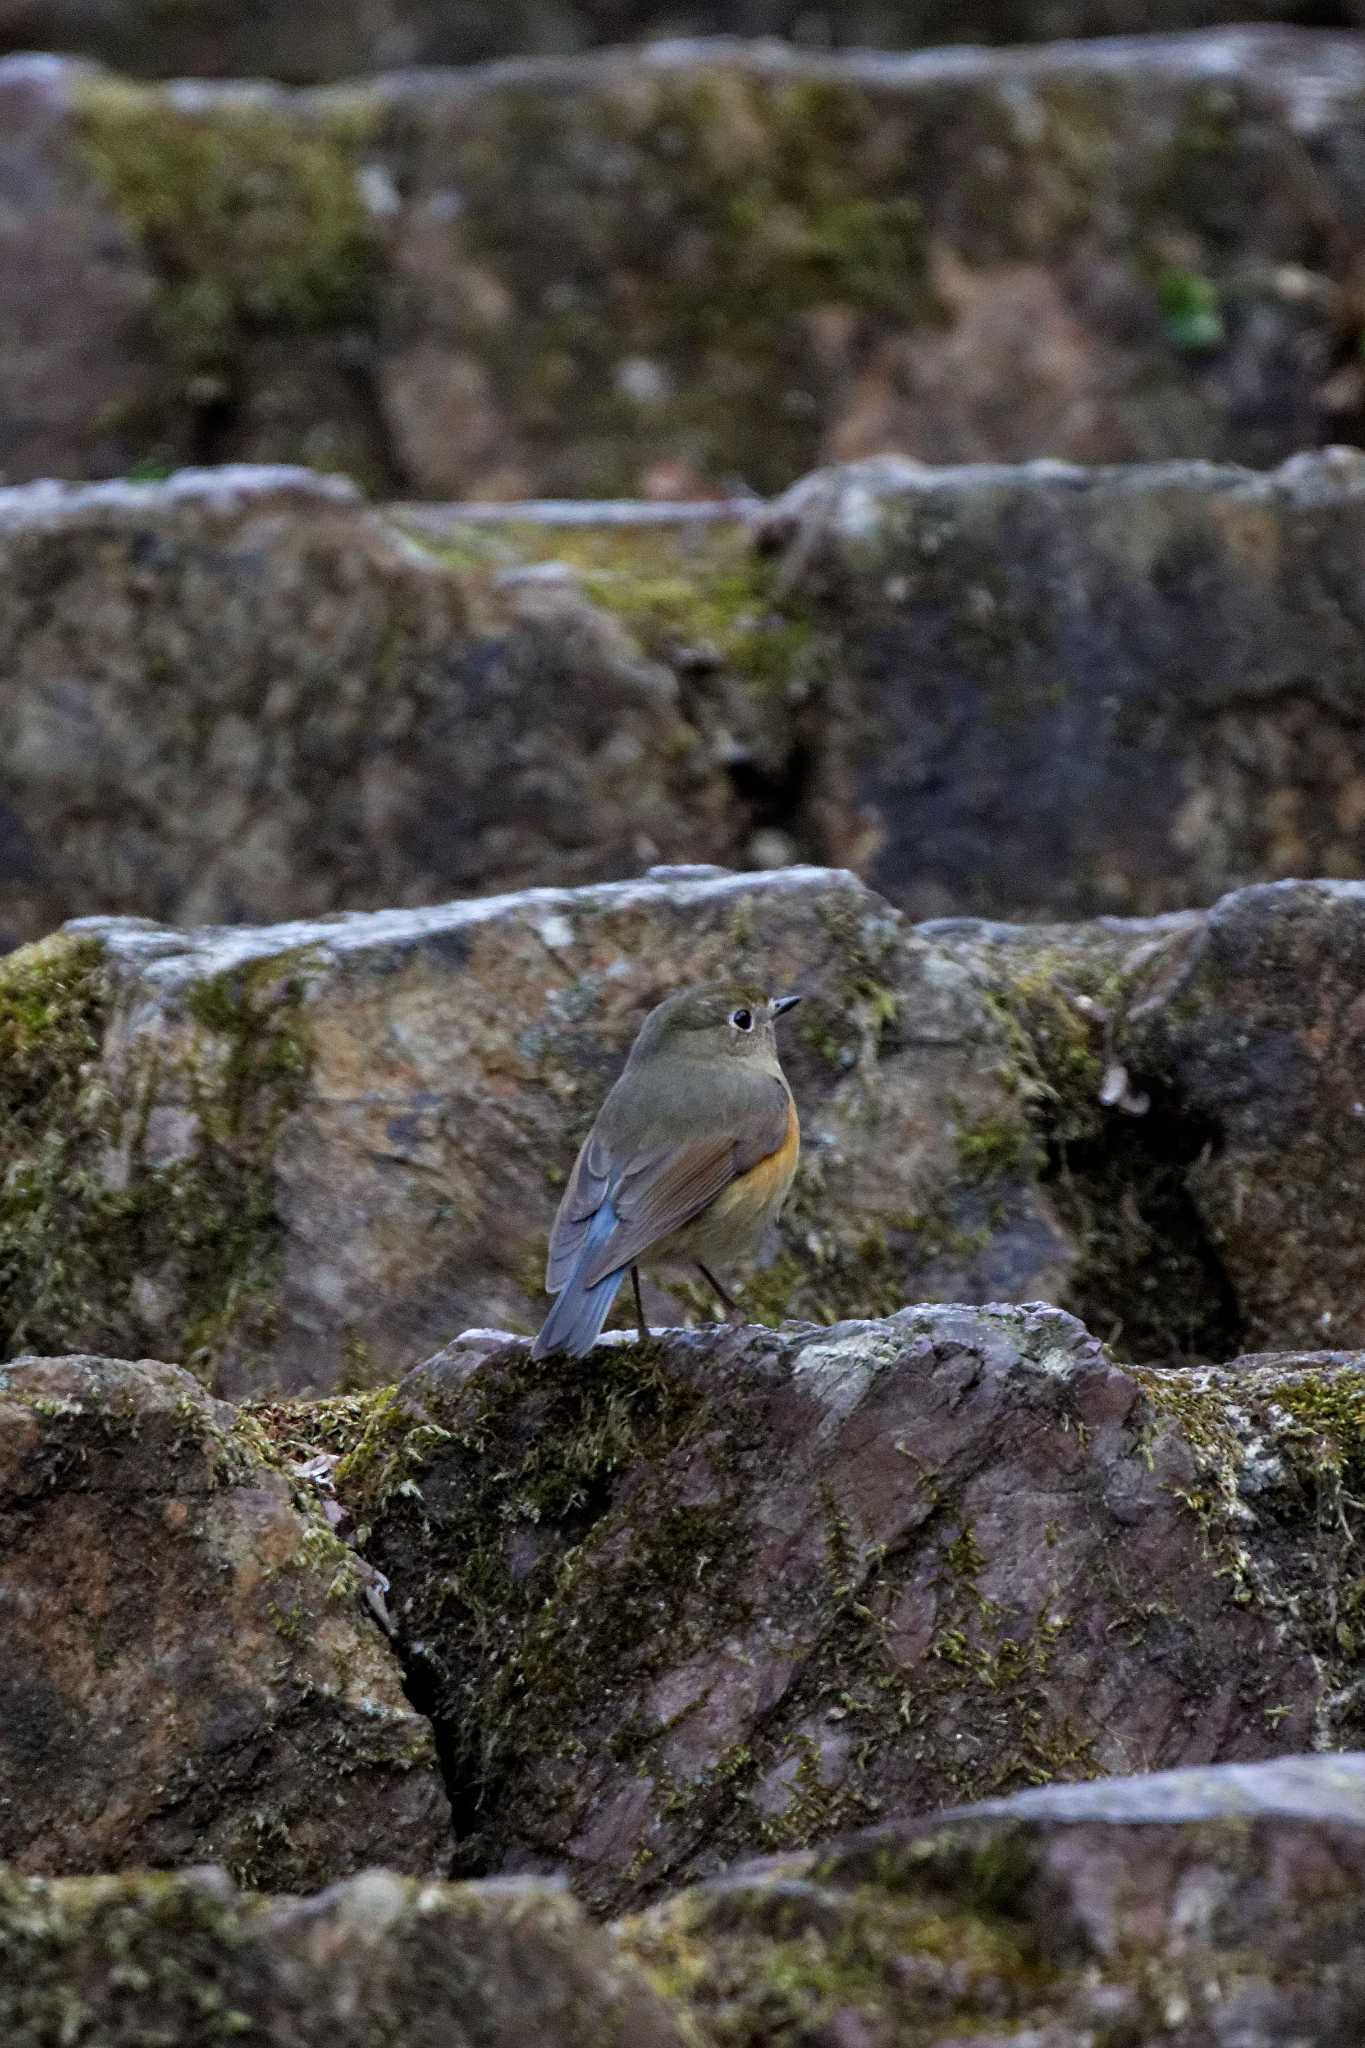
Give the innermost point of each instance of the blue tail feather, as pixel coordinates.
(575, 1322)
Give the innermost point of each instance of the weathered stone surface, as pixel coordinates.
(307, 1153)
(247, 696)
(740, 1588)
(1216, 1908)
(328, 39)
(1054, 692)
(188, 1672)
(667, 269)
(76, 299)
(1199, 1909)
(1203, 1114)
(303, 1155)
(242, 695)
(118, 1962)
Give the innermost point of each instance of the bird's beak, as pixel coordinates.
(781, 1004)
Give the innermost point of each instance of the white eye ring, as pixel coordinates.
(743, 1020)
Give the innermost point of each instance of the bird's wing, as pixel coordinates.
(588, 1188)
(666, 1185)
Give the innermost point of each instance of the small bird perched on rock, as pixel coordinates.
(690, 1158)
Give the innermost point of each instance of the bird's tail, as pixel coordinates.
(575, 1322)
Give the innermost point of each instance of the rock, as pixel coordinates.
(1198, 1089)
(188, 1670)
(378, 1958)
(310, 40)
(1197, 1907)
(301, 1156)
(737, 1590)
(1054, 692)
(307, 1154)
(569, 697)
(1203, 1909)
(77, 301)
(240, 694)
(1261, 1033)
(536, 278)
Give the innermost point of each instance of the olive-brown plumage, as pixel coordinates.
(690, 1158)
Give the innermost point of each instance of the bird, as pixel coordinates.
(689, 1160)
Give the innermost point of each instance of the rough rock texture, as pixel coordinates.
(241, 695)
(188, 1671)
(322, 39)
(303, 1156)
(1216, 1908)
(1197, 1909)
(76, 299)
(1051, 691)
(663, 270)
(124, 1962)
(245, 696)
(1202, 1111)
(734, 1590)
(308, 1154)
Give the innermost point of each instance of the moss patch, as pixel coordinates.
(251, 215)
(540, 1632)
(101, 1248)
(730, 211)
(775, 1965)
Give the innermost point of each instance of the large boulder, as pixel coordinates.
(190, 1672)
(305, 1155)
(1201, 1105)
(1198, 1909)
(244, 695)
(734, 1590)
(302, 1156)
(77, 300)
(240, 694)
(1215, 1908)
(667, 268)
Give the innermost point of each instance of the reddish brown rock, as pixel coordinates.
(189, 1671)
(735, 1590)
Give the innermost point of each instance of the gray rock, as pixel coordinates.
(1054, 692)
(239, 694)
(189, 1672)
(1210, 1909)
(320, 39)
(535, 279)
(124, 1961)
(307, 1154)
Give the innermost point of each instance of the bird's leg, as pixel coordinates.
(734, 1314)
(639, 1305)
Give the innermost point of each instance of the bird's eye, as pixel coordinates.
(743, 1020)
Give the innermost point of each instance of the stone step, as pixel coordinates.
(687, 269)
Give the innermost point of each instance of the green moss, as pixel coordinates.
(159, 1949)
(737, 209)
(535, 1633)
(777, 1966)
(1191, 311)
(251, 215)
(86, 1217)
